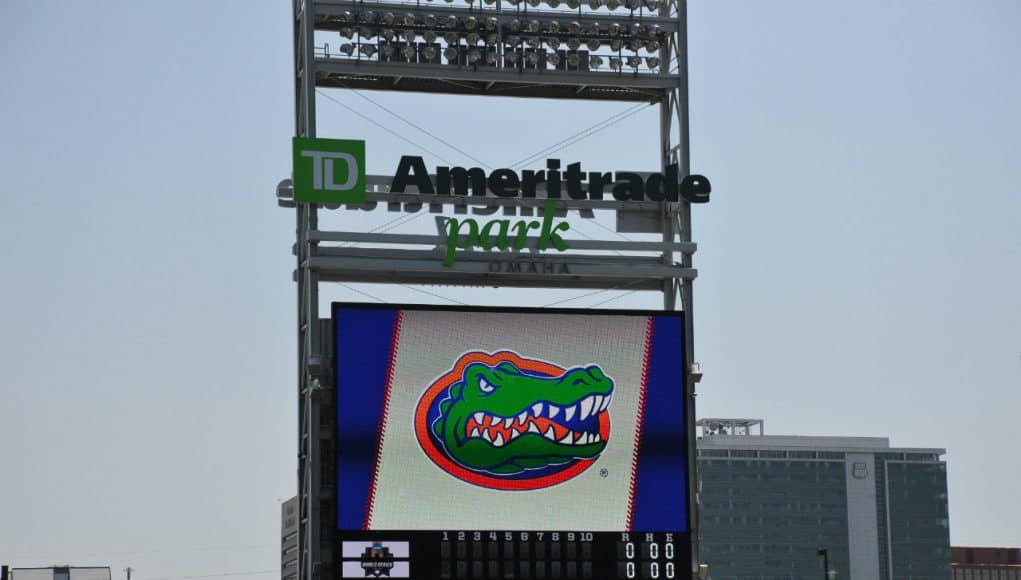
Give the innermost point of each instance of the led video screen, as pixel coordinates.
(521, 443)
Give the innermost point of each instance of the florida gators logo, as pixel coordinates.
(503, 421)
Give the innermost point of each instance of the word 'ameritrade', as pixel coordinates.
(572, 181)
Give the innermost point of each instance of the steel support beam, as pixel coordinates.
(664, 266)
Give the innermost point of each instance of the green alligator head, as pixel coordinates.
(501, 420)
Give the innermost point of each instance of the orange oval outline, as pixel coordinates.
(444, 463)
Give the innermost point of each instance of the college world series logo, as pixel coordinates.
(507, 422)
(329, 170)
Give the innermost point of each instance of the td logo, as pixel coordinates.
(329, 170)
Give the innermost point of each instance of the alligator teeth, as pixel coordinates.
(478, 417)
(508, 422)
(597, 402)
(598, 439)
(606, 402)
(549, 434)
(522, 417)
(532, 428)
(566, 440)
(485, 435)
(537, 409)
(475, 432)
(569, 412)
(498, 442)
(514, 434)
(553, 411)
(586, 407)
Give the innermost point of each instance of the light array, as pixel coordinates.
(516, 39)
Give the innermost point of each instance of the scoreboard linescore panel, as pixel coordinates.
(510, 443)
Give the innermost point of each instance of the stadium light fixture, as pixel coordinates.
(593, 44)
(595, 61)
(347, 48)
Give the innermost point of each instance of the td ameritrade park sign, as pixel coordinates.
(333, 171)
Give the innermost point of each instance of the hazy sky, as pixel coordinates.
(859, 264)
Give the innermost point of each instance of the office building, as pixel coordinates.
(970, 563)
(289, 539)
(770, 504)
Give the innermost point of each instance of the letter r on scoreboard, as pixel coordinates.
(329, 170)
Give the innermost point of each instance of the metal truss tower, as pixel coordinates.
(570, 49)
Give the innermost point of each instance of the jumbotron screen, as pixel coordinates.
(486, 443)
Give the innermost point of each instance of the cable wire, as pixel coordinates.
(583, 134)
(429, 133)
(381, 126)
(608, 300)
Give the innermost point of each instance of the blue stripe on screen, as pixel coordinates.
(661, 493)
(363, 342)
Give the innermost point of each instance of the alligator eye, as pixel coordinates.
(484, 385)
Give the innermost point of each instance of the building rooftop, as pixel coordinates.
(739, 434)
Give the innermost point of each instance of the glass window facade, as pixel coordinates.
(919, 534)
(766, 518)
(764, 514)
